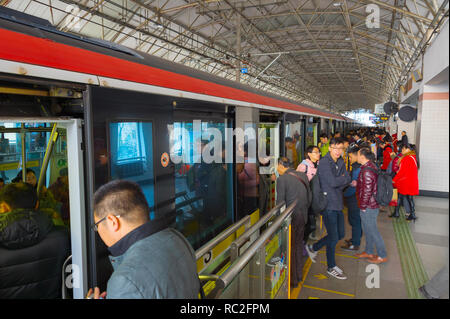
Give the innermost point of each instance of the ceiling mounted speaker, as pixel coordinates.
(407, 113)
(390, 108)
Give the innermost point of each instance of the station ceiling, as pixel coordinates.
(339, 55)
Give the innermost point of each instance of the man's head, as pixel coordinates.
(353, 153)
(289, 141)
(17, 196)
(365, 155)
(337, 134)
(119, 207)
(356, 136)
(403, 133)
(2, 183)
(323, 138)
(336, 148)
(283, 165)
(346, 143)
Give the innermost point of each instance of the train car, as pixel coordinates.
(94, 111)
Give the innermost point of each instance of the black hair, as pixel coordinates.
(310, 149)
(367, 153)
(2, 180)
(324, 135)
(284, 161)
(353, 149)
(336, 141)
(19, 195)
(124, 198)
(288, 139)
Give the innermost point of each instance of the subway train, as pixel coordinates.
(96, 111)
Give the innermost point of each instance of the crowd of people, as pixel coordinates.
(339, 172)
(347, 171)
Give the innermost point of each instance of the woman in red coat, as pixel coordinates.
(407, 181)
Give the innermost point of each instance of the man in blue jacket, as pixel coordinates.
(333, 179)
(150, 261)
(353, 213)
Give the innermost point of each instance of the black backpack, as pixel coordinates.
(385, 190)
(319, 200)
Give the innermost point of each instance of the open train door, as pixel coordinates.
(52, 145)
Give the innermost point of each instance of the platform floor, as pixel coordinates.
(430, 233)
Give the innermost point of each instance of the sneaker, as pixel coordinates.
(336, 274)
(312, 254)
(339, 270)
(350, 247)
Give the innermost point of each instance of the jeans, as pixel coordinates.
(335, 225)
(354, 219)
(373, 236)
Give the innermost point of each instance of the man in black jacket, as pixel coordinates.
(333, 179)
(292, 185)
(32, 250)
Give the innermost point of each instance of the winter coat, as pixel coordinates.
(366, 188)
(407, 180)
(290, 188)
(386, 157)
(153, 265)
(32, 252)
(333, 179)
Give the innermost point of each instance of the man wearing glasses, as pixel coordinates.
(150, 261)
(333, 179)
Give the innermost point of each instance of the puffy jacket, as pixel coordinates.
(407, 179)
(366, 188)
(333, 179)
(32, 252)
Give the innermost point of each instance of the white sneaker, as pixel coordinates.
(336, 274)
(339, 270)
(312, 254)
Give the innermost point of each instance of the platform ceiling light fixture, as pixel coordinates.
(348, 39)
(337, 4)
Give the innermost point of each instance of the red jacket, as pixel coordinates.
(366, 187)
(386, 157)
(407, 178)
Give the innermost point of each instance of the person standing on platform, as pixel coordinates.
(366, 191)
(407, 181)
(309, 167)
(293, 185)
(403, 141)
(387, 150)
(324, 144)
(353, 213)
(333, 179)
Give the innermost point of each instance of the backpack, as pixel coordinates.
(319, 200)
(385, 190)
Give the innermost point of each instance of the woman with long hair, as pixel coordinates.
(407, 181)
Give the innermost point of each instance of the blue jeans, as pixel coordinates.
(335, 225)
(373, 236)
(354, 219)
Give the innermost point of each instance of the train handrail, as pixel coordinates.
(246, 236)
(219, 238)
(233, 271)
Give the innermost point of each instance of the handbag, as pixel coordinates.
(394, 200)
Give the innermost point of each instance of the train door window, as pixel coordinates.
(203, 189)
(131, 145)
(294, 147)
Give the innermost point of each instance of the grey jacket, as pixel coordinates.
(159, 266)
(333, 179)
(289, 188)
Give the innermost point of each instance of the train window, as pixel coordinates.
(203, 191)
(294, 146)
(132, 156)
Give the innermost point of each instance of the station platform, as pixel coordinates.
(416, 251)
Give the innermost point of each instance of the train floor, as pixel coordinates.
(416, 251)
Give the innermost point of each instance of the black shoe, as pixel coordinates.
(350, 247)
(395, 214)
(411, 217)
(425, 293)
